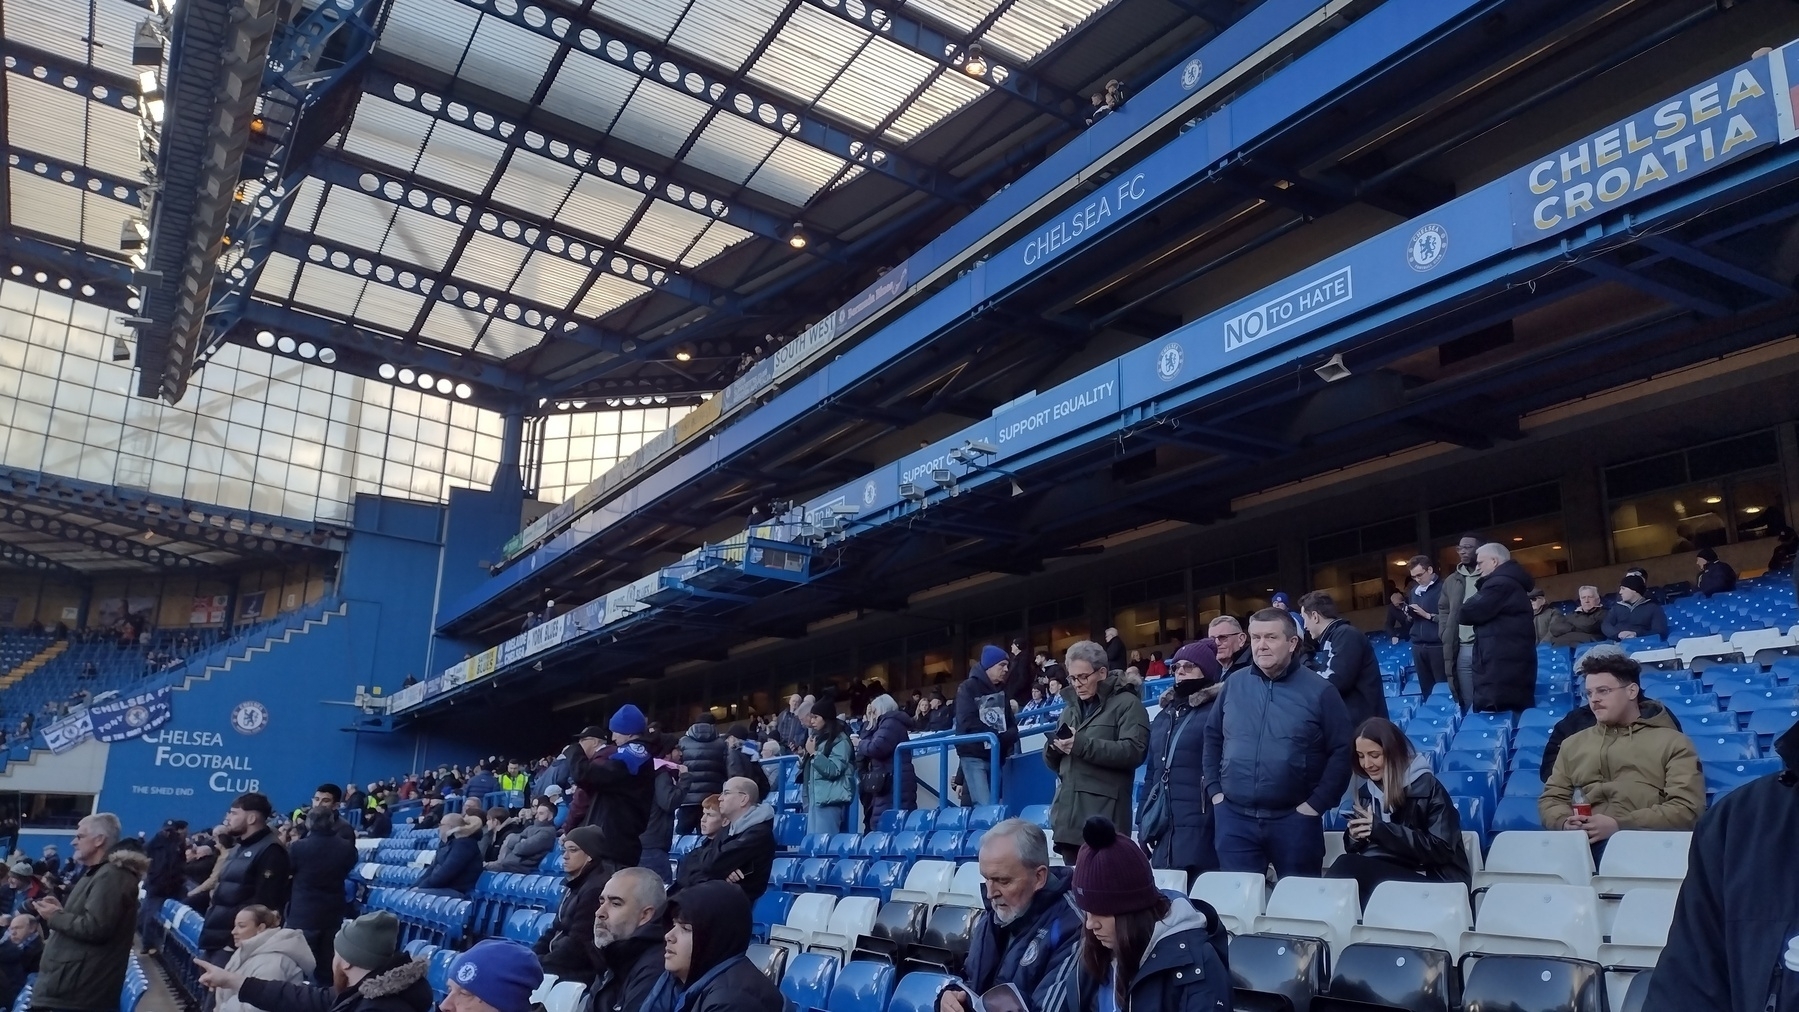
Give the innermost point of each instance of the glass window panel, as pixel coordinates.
(1662, 523)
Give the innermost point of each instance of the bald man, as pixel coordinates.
(745, 852)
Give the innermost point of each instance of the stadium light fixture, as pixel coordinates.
(683, 352)
(796, 236)
(146, 44)
(975, 65)
(1333, 370)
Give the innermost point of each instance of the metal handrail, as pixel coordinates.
(945, 742)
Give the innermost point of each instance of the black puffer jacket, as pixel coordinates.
(1273, 744)
(320, 862)
(1187, 844)
(1505, 639)
(399, 987)
(1344, 657)
(1425, 833)
(257, 872)
(567, 949)
(703, 753)
(622, 783)
(628, 969)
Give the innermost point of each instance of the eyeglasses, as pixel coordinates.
(1185, 666)
(1603, 691)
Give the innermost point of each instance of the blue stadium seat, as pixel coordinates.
(881, 878)
(872, 844)
(1480, 739)
(905, 844)
(1723, 777)
(790, 830)
(783, 872)
(1718, 673)
(1513, 813)
(808, 980)
(862, 986)
(918, 992)
(1486, 759)
(518, 926)
(845, 875)
(842, 845)
(771, 908)
(986, 816)
(1501, 720)
(816, 845)
(921, 820)
(813, 871)
(1535, 717)
(971, 844)
(1524, 784)
(438, 972)
(945, 845)
(1772, 722)
(1751, 700)
(951, 819)
(1036, 814)
(1528, 759)
(1724, 748)
(1531, 737)
(1473, 811)
(1483, 784)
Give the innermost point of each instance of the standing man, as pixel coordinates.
(320, 861)
(83, 964)
(258, 871)
(620, 780)
(981, 705)
(1232, 644)
(703, 774)
(1100, 740)
(790, 729)
(1344, 657)
(1458, 637)
(167, 851)
(1116, 652)
(1505, 634)
(327, 796)
(627, 932)
(1278, 753)
(1423, 603)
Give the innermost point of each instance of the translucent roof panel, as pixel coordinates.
(608, 293)
(599, 208)
(726, 32)
(354, 219)
(420, 238)
(876, 83)
(490, 260)
(506, 58)
(944, 96)
(796, 171)
(732, 148)
(718, 238)
(505, 339)
(808, 53)
(535, 184)
(1029, 27)
(386, 133)
(549, 279)
(660, 119)
(430, 32)
(589, 90)
(666, 230)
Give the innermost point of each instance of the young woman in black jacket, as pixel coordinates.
(1405, 828)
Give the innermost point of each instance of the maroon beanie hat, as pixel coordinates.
(1112, 874)
(1204, 653)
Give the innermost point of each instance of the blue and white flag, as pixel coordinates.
(130, 716)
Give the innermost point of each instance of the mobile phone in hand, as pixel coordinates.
(1064, 732)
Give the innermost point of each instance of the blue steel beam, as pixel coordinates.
(504, 387)
(658, 64)
(113, 544)
(91, 83)
(100, 184)
(25, 558)
(594, 253)
(47, 266)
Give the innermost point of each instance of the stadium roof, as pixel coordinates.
(543, 200)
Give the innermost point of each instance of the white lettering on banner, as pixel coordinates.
(1059, 410)
(202, 739)
(167, 792)
(166, 756)
(1309, 299)
(1086, 218)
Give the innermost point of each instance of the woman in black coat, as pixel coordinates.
(1505, 633)
(321, 860)
(890, 727)
(1177, 748)
(1405, 828)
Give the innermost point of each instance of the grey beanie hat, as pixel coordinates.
(369, 941)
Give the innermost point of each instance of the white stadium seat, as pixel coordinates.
(1536, 920)
(1431, 915)
(926, 881)
(1538, 856)
(1636, 859)
(809, 915)
(966, 887)
(565, 996)
(1644, 916)
(1324, 908)
(1171, 878)
(1238, 896)
(853, 917)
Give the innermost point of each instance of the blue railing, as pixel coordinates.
(944, 743)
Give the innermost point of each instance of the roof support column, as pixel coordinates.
(508, 477)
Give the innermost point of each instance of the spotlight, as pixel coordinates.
(121, 352)
(683, 352)
(1333, 370)
(943, 477)
(845, 509)
(796, 236)
(155, 107)
(386, 371)
(146, 45)
(285, 345)
(133, 235)
(406, 376)
(976, 63)
(464, 391)
(907, 490)
(148, 84)
(981, 446)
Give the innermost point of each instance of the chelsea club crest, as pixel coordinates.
(1426, 248)
(249, 717)
(1169, 361)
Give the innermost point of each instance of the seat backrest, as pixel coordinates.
(807, 982)
(564, 996)
(949, 927)
(930, 877)
(770, 959)
(1237, 895)
(1333, 901)
(1636, 853)
(1400, 976)
(1638, 992)
(1569, 914)
(1563, 855)
(862, 986)
(917, 992)
(1644, 917)
(901, 921)
(967, 881)
(1440, 908)
(951, 819)
(1545, 983)
(811, 911)
(1279, 965)
(854, 915)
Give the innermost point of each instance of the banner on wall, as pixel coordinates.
(69, 732)
(110, 611)
(130, 716)
(250, 605)
(208, 610)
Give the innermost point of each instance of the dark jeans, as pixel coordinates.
(323, 945)
(1292, 842)
(1369, 871)
(1427, 659)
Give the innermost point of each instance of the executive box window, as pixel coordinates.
(1700, 497)
(1359, 566)
(1057, 625)
(1527, 520)
(1153, 612)
(1241, 585)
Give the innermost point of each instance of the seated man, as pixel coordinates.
(567, 949)
(1581, 717)
(1029, 927)
(744, 851)
(523, 851)
(1634, 615)
(1582, 625)
(458, 863)
(19, 956)
(494, 975)
(1715, 575)
(628, 931)
(1633, 767)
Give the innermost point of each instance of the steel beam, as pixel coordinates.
(114, 544)
(259, 315)
(657, 64)
(1600, 267)
(591, 252)
(46, 265)
(100, 184)
(91, 83)
(1716, 265)
(29, 559)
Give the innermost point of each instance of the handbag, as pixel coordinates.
(1157, 817)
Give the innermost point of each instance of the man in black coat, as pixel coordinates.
(703, 753)
(744, 852)
(257, 872)
(328, 796)
(628, 934)
(982, 705)
(19, 956)
(1505, 633)
(567, 949)
(1344, 657)
(740, 763)
(166, 850)
(1715, 575)
(321, 860)
(620, 780)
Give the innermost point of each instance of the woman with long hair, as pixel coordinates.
(828, 767)
(886, 727)
(1405, 828)
(1142, 950)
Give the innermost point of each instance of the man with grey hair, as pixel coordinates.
(745, 852)
(1030, 926)
(1100, 739)
(790, 729)
(83, 966)
(1231, 641)
(1505, 633)
(628, 932)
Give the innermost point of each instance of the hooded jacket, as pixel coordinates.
(458, 862)
(567, 949)
(83, 965)
(257, 871)
(659, 832)
(1177, 745)
(1734, 944)
(878, 749)
(703, 753)
(1581, 717)
(321, 862)
(1180, 972)
(719, 978)
(620, 782)
(1273, 744)
(1030, 950)
(628, 969)
(400, 986)
(1111, 737)
(276, 954)
(1505, 639)
(746, 845)
(16, 963)
(1344, 657)
(983, 706)
(1645, 774)
(1644, 618)
(524, 851)
(829, 773)
(1425, 832)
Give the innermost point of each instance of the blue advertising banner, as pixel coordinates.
(130, 716)
(874, 491)
(1088, 398)
(917, 467)
(1712, 124)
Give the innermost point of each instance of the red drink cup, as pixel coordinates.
(1582, 810)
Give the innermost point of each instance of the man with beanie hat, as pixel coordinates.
(620, 780)
(1179, 967)
(494, 975)
(981, 705)
(258, 871)
(703, 956)
(369, 974)
(1634, 614)
(567, 948)
(1715, 575)
(1029, 926)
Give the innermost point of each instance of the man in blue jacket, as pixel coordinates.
(1030, 926)
(982, 705)
(1423, 603)
(1278, 753)
(1634, 614)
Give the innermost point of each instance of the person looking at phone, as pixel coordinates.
(1405, 827)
